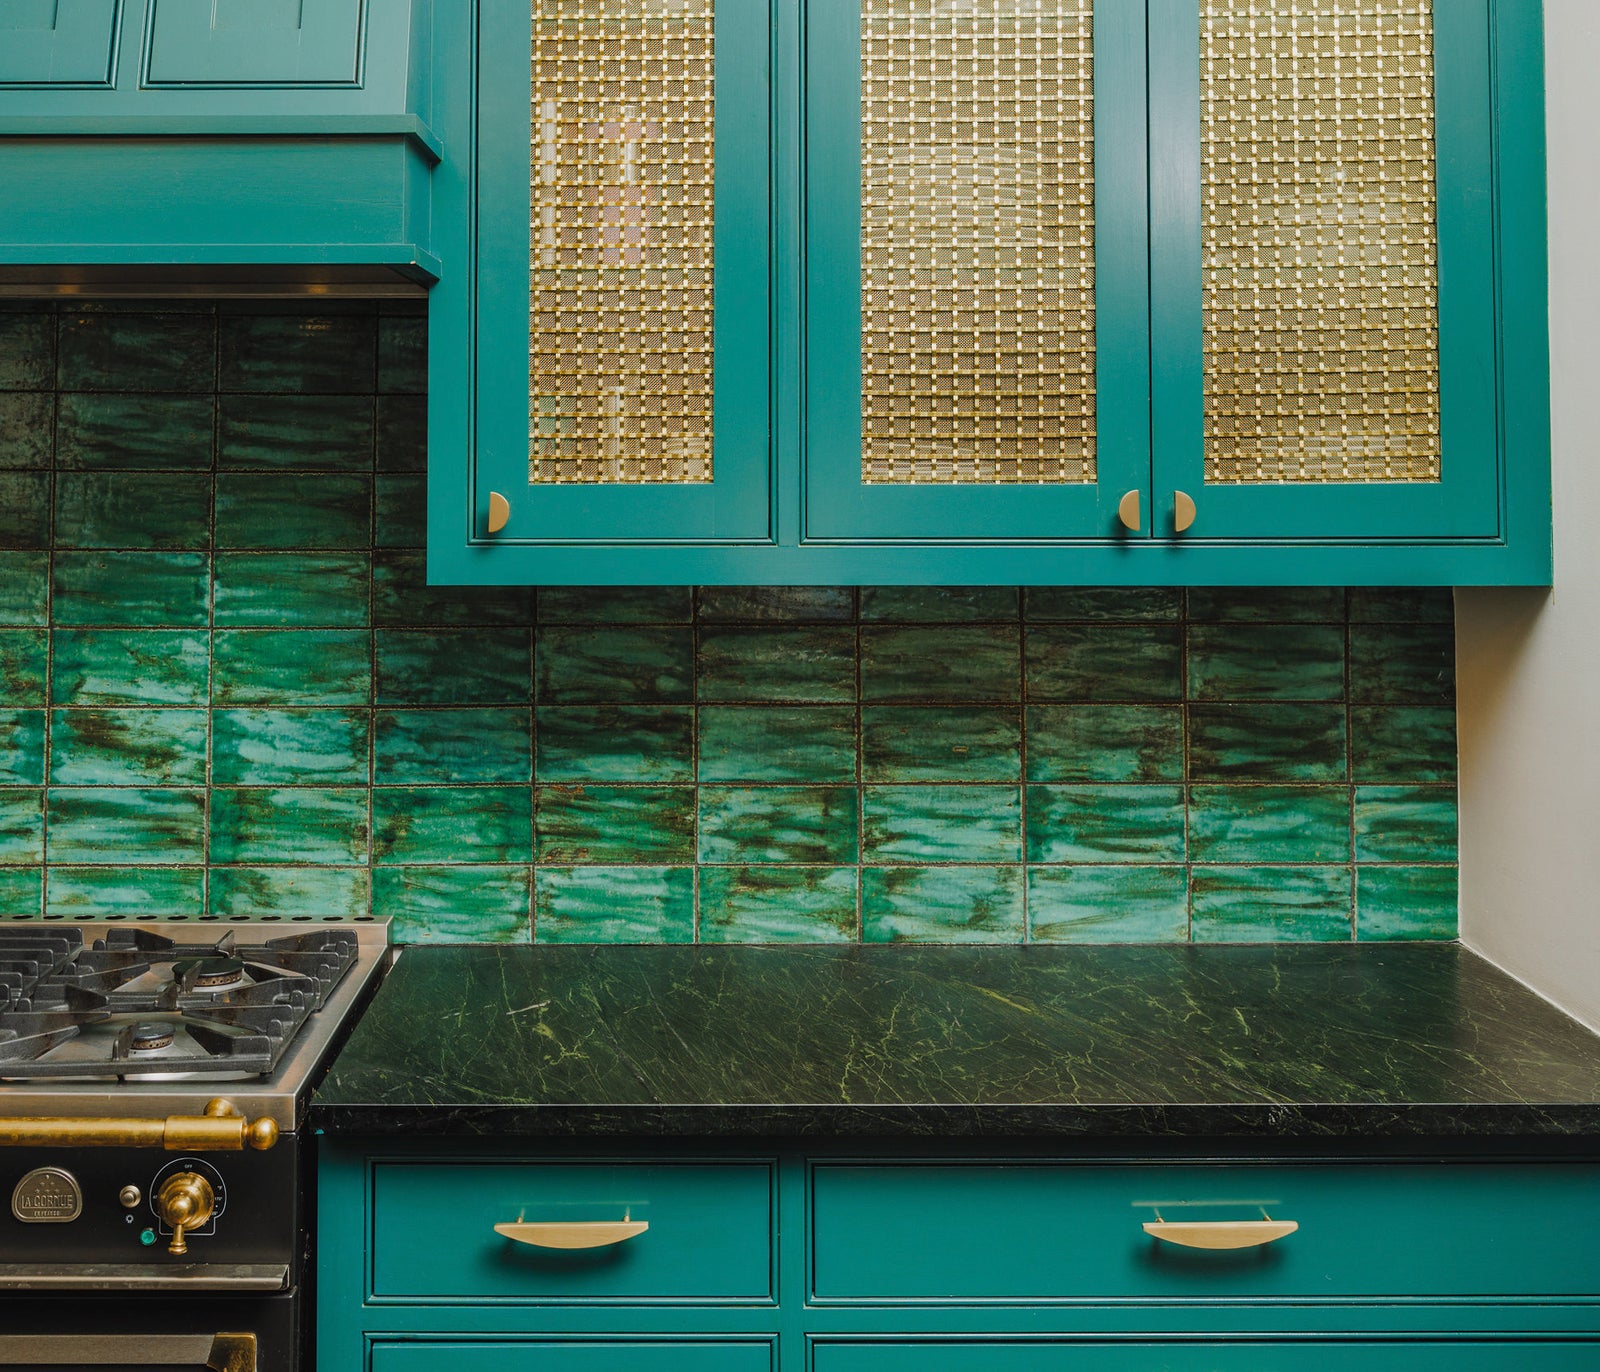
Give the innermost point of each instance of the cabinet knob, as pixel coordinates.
(499, 511)
(1128, 511)
(1182, 511)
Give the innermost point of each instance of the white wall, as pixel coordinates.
(1529, 661)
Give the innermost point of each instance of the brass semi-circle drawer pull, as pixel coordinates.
(1220, 1233)
(572, 1233)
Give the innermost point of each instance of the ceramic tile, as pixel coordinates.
(615, 604)
(919, 743)
(290, 891)
(27, 352)
(137, 590)
(947, 662)
(118, 667)
(329, 354)
(454, 666)
(291, 590)
(21, 890)
(624, 665)
(401, 596)
(1405, 823)
(482, 746)
(1105, 824)
(297, 747)
(21, 747)
(614, 905)
(298, 827)
(778, 824)
(135, 431)
(1269, 742)
(155, 892)
(1401, 604)
(1305, 824)
(615, 743)
(403, 354)
(400, 518)
(1403, 743)
(1266, 662)
(1103, 663)
(169, 351)
(777, 743)
(1108, 904)
(132, 510)
(270, 510)
(24, 588)
(1271, 904)
(1105, 743)
(1406, 903)
(813, 664)
(27, 422)
(402, 433)
(24, 509)
(777, 904)
(455, 904)
(434, 824)
(92, 824)
(24, 666)
(291, 666)
(21, 827)
(1158, 604)
(614, 824)
(305, 432)
(1274, 604)
(1391, 663)
(776, 604)
(941, 824)
(128, 747)
(939, 604)
(942, 905)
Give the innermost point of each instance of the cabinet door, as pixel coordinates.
(976, 276)
(1213, 1355)
(574, 1355)
(1323, 284)
(57, 42)
(622, 283)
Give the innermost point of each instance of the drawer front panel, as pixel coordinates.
(991, 1233)
(57, 42)
(610, 1355)
(1211, 1356)
(255, 43)
(709, 1235)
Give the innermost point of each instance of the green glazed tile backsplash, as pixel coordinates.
(226, 689)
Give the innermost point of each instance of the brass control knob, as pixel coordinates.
(184, 1202)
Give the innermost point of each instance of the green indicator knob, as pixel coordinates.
(147, 1237)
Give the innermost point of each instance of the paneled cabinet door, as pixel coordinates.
(620, 315)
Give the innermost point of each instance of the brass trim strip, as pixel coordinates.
(96, 1276)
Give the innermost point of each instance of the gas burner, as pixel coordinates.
(149, 1037)
(219, 973)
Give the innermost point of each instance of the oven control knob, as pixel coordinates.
(130, 1196)
(184, 1202)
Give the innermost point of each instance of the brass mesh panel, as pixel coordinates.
(620, 240)
(977, 241)
(1319, 244)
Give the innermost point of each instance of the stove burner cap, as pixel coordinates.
(150, 1038)
(210, 973)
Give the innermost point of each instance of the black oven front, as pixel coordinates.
(150, 1333)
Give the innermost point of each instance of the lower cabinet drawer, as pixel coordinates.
(708, 1234)
(562, 1355)
(1212, 1355)
(1039, 1232)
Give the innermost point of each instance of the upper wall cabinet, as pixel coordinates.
(139, 134)
(1011, 291)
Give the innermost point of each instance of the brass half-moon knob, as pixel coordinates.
(499, 511)
(184, 1202)
(1182, 511)
(1128, 511)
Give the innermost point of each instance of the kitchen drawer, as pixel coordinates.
(992, 1233)
(57, 42)
(254, 42)
(1364, 1355)
(709, 1237)
(601, 1355)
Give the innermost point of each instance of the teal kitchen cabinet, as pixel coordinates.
(182, 140)
(488, 1255)
(1101, 291)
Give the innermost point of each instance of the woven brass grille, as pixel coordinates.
(977, 241)
(1319, 244)
(620, 242)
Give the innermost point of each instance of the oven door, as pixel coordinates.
(150, 1334)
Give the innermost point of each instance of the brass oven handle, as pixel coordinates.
(572, 1233)
(1219, 1234)
(221, 1129)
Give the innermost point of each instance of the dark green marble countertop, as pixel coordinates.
(1352, 1041)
